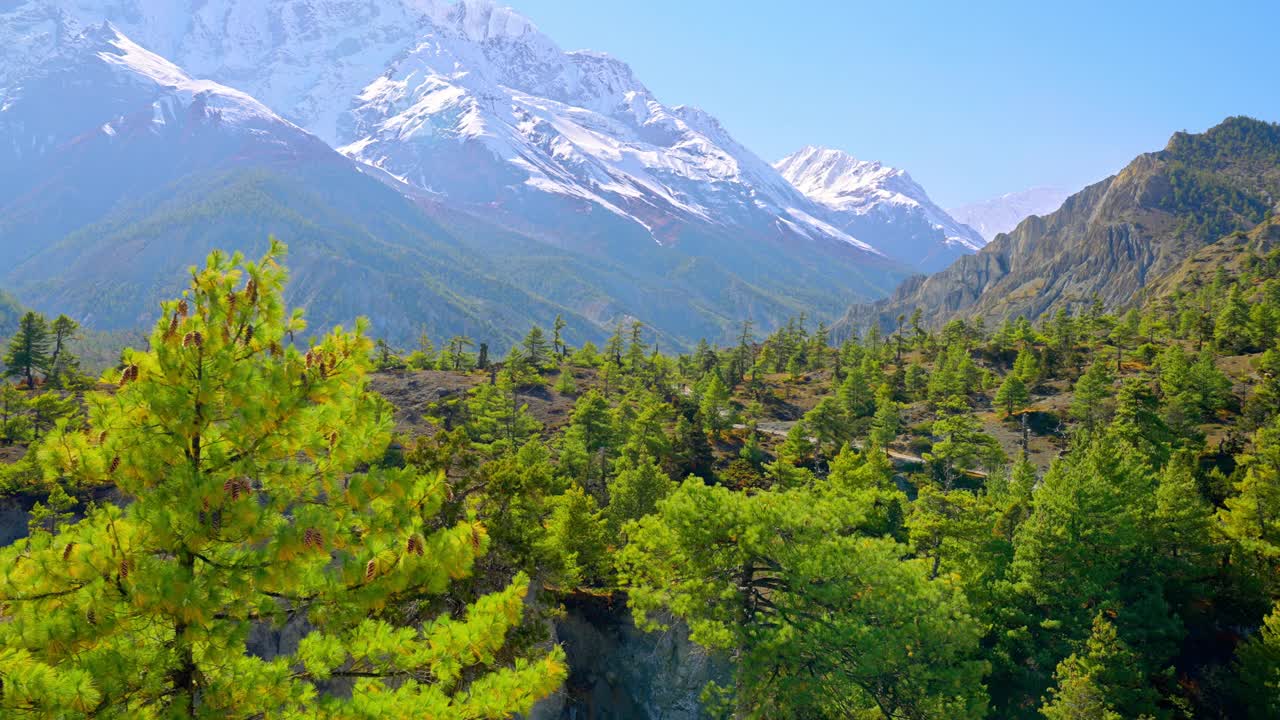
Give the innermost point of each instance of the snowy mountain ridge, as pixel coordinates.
(467, 101)
(1002, 214)
(856, 191)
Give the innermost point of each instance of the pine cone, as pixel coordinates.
(248, 334)
(115, 463)
(91, 617)
(66, 552)
(231, 303)
(370, 570)
(313, 539)
(182, 307)
(414, 546)
(235, 487)
(193, 338)
(124, 568)
(173, 327)
(251, 291)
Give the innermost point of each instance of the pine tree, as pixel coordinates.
(565, 384)
(588, 439)
(828, 624)
(1251, 518)
(1090, 402)
(558, 345)
(497, 416)
(1087, 545)
(1258, 670)
(887, 421)
(14, 424)
(536, 352)
(575, 538)
(963, 446)
(47, 408)
(1012, 395)
(1231, 332)
(1103, 683)
(237, 455)
(28, 349)
(1183, 531)
(64, 367)
(714, 407)
(635, 491)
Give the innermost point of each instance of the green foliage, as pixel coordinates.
(241, 458)
(1090, 404)
(827, 624)
(28, 352)
(635, 491)
(1258, 667)
(1013, 395)
(1102, 683)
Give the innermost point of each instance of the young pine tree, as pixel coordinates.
(28, 351)
(1012, 395)
(240, 460)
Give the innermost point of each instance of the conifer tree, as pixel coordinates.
(714, 407)
(536, 352)
(1090, 402)
(829, 624)
(575, 539)
(238, 455)
(558, 345)
(1012, 395)
(1258, 670)
(887, 421)
(14, 423)
(635, 491)
(497, 416)
(28, 351)
(1183, 531)
(64, 367)
(1104, 682)
(1231, 332)
(1251, 518)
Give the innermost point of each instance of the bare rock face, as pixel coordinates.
(1111, 239)
(620, 672)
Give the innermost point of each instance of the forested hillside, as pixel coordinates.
(1112, 238)
(1073, 518)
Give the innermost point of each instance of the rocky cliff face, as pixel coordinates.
(1112, 238)
(619, 672)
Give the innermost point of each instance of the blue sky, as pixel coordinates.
(973, 98)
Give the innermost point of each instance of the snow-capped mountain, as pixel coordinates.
(98, 84)
(99, 118)
(118, 170)
(469, 100)
(880, 204)
(566, 175)
(1002, 214)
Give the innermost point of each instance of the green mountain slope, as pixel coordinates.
(10, 313)
(1110, 239)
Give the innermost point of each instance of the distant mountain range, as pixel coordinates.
(1002, 214)
(514, 181)
(1114, 239)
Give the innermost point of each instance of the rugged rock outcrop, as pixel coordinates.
(619, 672)
(1110, 239)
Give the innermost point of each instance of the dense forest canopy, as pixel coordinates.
(1073, 518)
